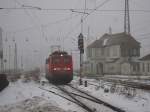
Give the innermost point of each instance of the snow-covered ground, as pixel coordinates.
(139, 103)
(20, 91)
(24, 97)
(34, 104)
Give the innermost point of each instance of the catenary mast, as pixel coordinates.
(1, 50)
(127, 18)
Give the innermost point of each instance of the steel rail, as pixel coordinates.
(129, 84)
(78, 102)
(58, 95)
(98, 100)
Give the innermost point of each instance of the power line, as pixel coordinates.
(96, 8)
(70, 9)
(146, 34)
(46, 25)
(144, 38)
(27, 13)
(93, 10)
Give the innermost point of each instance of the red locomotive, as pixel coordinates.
(59, 67)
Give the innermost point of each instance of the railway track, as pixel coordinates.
(94, 99)
(78, 102)
(126, 83)
(75, 94)
(129, 84)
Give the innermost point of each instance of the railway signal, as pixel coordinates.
(81, 43)
(81, 48)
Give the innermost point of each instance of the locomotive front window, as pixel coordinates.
(56, 60)
(67, 60)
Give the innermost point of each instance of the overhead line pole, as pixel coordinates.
(127, 18)
(9, 57)
(1, 51)
(81, 45)
(15, 59)
(80, 37)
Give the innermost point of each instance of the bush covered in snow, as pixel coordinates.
(3, 81)
(32, 75)
(13, 77)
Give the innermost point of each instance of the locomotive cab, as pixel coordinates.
(60, 67)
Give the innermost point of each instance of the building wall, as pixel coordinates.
(98, 58)
(130, 51)
(112, 68)
(87, 68)
(135, 68)
(114, 51)
(125, 68)
(145, 67)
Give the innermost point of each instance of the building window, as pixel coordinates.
(107, 51)
(123, 52)
(148, 67)
(102, 51)
(143, 67)
(99, 52)
(134, 67)
(105, 41)
(114, 51)
(138, 67)
(138, 52)
(91, 67)
(131, 52)
(126, 52)
(90, 52)
(96, 52)
(135, 52)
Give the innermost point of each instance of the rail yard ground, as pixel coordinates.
(26, 96)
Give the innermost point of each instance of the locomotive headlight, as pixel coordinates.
(56, 69)
(67, 68)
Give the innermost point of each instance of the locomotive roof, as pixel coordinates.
(59, 53)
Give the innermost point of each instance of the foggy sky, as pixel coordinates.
(35, 31)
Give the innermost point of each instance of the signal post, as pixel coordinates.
(81, 48)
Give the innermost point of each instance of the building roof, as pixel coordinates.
(114, 39)
(145, 58)
(122, 38)
(99, 43)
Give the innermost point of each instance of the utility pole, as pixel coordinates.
(127, 18)
(1, 51)
(9, 57)
(22, 63)
(81, 46)
(81, 41)
(15, 59)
